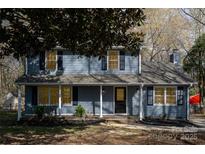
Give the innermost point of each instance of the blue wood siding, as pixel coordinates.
(75, 64)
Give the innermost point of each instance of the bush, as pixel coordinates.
(79, 111)
(39, 111)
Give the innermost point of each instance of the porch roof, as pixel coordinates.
(153, 73)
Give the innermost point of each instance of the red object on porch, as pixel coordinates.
(195, 99)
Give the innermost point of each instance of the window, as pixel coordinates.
(51, 60)
(170, 95)
(120, 94)
(165, 95)
(54, 95)
(180, 95)
(66, 95)
(44, 92)
(149, 95)
(113, 60)
(43, 95)
(159, 95)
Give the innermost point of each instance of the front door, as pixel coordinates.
(120, 100)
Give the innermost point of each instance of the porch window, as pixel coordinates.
(113, 60)
(66, 95)
(51, 60)
(48, 93)
(54, 95)
(159, 95)
(171, 95)
(43, 95)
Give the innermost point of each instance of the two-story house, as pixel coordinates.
(118, 83)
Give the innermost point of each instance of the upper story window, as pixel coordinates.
(51, 62)
(113, 60)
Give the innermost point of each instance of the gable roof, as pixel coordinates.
(153, 73)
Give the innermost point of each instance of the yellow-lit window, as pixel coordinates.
(51, 60)
(66, 94)
(120, 94)
(113, 60)
(171, 95)
(43, 95)
(159, 95)
(54, 93)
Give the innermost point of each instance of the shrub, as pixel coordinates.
(39, 111)
(79, 111)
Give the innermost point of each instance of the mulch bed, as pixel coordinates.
(59, 121)
(168, 122)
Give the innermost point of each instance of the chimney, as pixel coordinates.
(174, 57)
(139, 62)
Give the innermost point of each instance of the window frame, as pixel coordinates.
(49, 96)
(46, 60)
(71, 96)
(118, 60)
(165, 94)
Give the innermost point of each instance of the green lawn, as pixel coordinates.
(13, 133)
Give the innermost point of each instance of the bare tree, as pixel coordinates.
(165, 29)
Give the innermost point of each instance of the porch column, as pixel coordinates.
(101, 101)
(19, 103)
(59, 100)
(188, 109)
(141, 102)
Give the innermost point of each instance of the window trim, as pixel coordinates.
(108, 62)
(46, 60)
(49, 96)
(71, 96)
(165, 94)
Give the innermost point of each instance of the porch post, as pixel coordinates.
(19, 103)
(141, 102)
(188, 109)
(101, 101)
(59, 100)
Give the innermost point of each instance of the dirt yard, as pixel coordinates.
(11, 133)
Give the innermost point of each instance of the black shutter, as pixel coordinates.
(34, 96)
(122, 60)
(42, 61)
(60, 60)
(104, 63)
(149, 95)
(75, 96)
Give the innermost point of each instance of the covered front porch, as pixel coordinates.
(98, 100)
